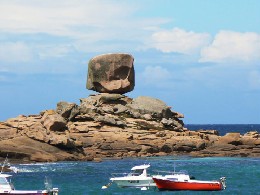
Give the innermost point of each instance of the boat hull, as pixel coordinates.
(163, 184)
(134, 183)
(25, 193)
(28, 192)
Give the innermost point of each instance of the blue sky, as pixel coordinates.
(201, 57)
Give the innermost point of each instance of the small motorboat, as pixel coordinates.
(6, 167)
(137, 178)
(6, 188)
(182, 181)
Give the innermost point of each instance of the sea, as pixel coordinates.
(83, 178)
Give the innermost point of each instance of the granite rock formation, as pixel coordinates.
(111, 73)
(114, 126)
(110, 124)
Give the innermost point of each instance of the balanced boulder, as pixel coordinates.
(111, 73)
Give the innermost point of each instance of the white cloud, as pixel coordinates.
(20, 58)
(155, 75)
(180, 41)
(53, 51)
(229, 46)
(84, 25)
(15, 51)
(79, 19)
(61, 17)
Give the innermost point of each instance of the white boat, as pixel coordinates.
(6, 187)
(137, 178)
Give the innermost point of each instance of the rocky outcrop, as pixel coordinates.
(115, 126)
(233, 144)
(110, 124)
(111, 73)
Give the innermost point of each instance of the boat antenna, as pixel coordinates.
(174, 166)
(48, 183)
(174, 163)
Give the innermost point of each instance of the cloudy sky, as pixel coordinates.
(200, 57)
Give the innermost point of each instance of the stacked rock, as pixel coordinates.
(111, 73)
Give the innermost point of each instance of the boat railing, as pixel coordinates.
(124, 174)
(223, 182)
(11, 185)
(159, 172)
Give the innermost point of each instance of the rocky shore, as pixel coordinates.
(114, 126)
(109, 124)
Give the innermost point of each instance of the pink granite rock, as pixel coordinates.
(111, 73)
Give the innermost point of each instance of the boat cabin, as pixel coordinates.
(178, 176)
(140, 170)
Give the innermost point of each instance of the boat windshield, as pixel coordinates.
(3, 181)
(136, 172)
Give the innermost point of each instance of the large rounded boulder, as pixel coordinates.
(148, 105)
(111, 73)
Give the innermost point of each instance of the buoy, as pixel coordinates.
(104, 187)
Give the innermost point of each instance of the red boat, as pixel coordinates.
(182, 181)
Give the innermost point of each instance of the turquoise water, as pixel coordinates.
(80, 178)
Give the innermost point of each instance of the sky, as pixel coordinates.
(200, 57)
